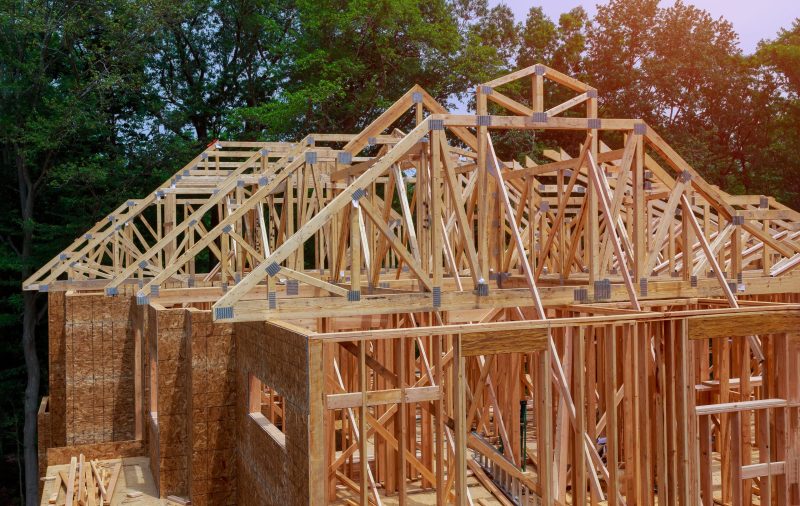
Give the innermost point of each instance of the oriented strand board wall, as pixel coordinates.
(267, 473)
(167, 344)
(192, 438)
(98, 370)
(212, 469)
(57, 404)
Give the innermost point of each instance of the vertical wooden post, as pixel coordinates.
(661, 415)
(765, 445)
(159, 234)
(437, 233)
(170, 211)
(483, 185)
(593, 222)
(642, 359)
(439, 431)
(460, 413)
(138, 377)
(401, 420)
(355, 250)
(765, 253)
(317, 466)
(785, 387)
(362, 423)
(578, 385)
(744, 394)
(736, 251)
(687, 237)
(545, 427)
(706, 462)
(537, 98)
(639, 215)
(684, 409)
(630, 438)
(736, 458)
(612, 450)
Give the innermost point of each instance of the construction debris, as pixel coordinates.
(86, 483)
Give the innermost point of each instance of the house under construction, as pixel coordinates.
(403, 317)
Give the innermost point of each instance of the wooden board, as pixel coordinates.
(744, 324)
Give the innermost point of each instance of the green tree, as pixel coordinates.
(352, 59)
(211, 56)
(560, 46)
(780, 58)
(783, 55)
(68, 76)
(618, 44)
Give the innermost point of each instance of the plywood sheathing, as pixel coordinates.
(98, 357)
(168, 345)
(192, 434)
(268, 473)
(56, 325)
(96, 451)
(212, 415)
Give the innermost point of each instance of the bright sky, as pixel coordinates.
(753, 20)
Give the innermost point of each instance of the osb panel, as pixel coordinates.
(193, 439)
(98, 451)
(98, 370)
(212, 436)
(150, 345)
(168, 343)
(57, 404)
(268, 473)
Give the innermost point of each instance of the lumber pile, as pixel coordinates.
(86, 483)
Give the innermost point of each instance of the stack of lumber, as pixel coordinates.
(86, 483)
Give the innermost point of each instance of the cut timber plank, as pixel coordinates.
(73, 463)
(509, 341)
(744, 324)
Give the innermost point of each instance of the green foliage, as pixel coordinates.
(783, 54)
(351, 60)
(682, 71)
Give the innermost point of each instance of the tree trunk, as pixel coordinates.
(27, 192)
(30, 454)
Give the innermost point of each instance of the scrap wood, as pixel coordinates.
(91, 488)
(81, 483)
(112, 482)
(63, 476)
(87, 483)
(54, 496)
(73, 463)
(99, 478)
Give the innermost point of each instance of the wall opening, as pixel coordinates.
(266, 407)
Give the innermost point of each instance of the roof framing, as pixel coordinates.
(429, 218)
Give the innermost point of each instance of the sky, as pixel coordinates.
(753, 20)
